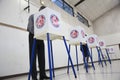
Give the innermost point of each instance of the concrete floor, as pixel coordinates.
(109, 72)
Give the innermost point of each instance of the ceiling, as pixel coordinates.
(92, 9)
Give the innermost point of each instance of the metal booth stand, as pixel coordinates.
(92, 41)
(77, 38)
(102, 46)
(47, 26)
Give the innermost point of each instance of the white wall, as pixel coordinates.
(13, 51)
(14, 43)
(107, 27)
(13, 12)
(108, 23)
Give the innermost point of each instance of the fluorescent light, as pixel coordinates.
(53, 0)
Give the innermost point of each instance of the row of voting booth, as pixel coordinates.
(48, 26)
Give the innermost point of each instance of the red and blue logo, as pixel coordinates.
(40, 21)
(74, 33)
(91, 40)
(54, 20)
(101, 43)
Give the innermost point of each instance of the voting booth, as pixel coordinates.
(47, 21)
(76, 35)
(92, 40)
(101, 44)
(47, 26)
(110, 50)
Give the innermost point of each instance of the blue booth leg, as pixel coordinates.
(77, 57)
(102, 56)
(49, 55)
(91, 52)
(99, 58)
(68, 60)
(52, 59)
(91, 57)
(69, 57)
(108, 56)
(68, 66)
(32, 58)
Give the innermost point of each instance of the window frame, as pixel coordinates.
(82, 19)
(63, 7)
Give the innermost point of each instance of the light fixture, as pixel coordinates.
(42, 3)
(53, 0)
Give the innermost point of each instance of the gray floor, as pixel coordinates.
(109, 72)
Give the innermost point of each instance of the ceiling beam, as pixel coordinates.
(78, 3)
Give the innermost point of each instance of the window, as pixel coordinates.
(82, 19)
(65, 6)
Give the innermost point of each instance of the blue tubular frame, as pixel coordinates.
(91, 57)
(52, 58)
(32, 57)
(108, 56)
(77, 57)
(68, 60)
(99, 58)
(102, 56)
(91, 52)
(69, 57)
(49, 55)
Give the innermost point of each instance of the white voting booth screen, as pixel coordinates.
(47, 21)
(101, 44)
(110, 50)
(92, 40)
(76, 35)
